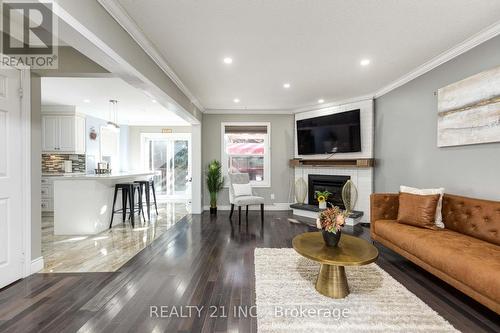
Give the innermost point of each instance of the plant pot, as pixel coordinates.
(331, 239)
(322, 205)
(213, 210)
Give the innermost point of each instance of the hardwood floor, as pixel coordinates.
(201, 261)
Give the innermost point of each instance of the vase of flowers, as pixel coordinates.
(331, 221)
(322, 197)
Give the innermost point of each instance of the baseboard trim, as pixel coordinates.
(274, 206)
(36, 265)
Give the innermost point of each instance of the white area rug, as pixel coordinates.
(288, 302)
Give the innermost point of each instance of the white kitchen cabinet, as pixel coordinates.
(63, 133)
(50, 133)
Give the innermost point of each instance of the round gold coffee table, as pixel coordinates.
(351, 251)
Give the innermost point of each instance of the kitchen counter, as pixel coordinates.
(83, 202)
(114, 175)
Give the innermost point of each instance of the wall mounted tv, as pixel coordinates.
(334, 133)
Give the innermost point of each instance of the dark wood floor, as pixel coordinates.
(200, 261)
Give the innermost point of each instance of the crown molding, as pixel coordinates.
(123, 18)
(248, 111)
(477, 39)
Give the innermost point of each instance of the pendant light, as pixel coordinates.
(113, 110)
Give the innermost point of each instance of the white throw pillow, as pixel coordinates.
(429, 191)
(242, 190)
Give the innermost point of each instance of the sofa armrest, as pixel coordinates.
(384, 206)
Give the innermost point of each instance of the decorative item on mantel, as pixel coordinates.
(300, 190)
(322, 197)
(349, 196)
(331, 221)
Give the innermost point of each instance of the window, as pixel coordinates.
(110, 146)
(246, 150)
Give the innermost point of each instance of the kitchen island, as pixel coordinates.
(83, 203)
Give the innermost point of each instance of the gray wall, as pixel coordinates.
(281, 151)
(36, 167)
(406, 149)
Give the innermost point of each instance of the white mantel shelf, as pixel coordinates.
(344, 163)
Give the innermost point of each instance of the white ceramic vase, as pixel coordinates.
(300, 190)
(322, 205)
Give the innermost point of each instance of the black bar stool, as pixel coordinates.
(128, 192)
(148, 185)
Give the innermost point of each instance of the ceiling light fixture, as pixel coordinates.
(113, 113)
(154, 101)
(236, 100)
(86, 101)
(286, 85)
(365, 62)
(228, 60)
(321, 100)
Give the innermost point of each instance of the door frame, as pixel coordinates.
(172, 136)
(26, 168)
(25, 147)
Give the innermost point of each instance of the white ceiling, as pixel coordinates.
(316, 45)
(134, 106)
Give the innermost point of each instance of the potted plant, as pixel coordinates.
(331, 221)
(215, 183)
(322, 196)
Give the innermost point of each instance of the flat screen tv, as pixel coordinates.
(335, 133)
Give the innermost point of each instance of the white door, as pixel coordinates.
(11, 162)
(50, 133)
(169, 156)
(66, 133)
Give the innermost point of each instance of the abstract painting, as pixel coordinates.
(469, 110)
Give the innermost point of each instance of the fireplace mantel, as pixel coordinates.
(361, 177)
(354, 163)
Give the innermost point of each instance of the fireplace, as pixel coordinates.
(332, 184)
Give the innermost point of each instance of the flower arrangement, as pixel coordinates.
(322, 196)
(331, 220)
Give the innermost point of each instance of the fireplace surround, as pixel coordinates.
(330, 183)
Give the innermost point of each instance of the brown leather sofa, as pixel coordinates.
(466, 254)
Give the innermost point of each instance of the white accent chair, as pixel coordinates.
(244, 200)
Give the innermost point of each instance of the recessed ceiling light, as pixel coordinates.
(236, 100)
(154, 101)
(86, 101)
(286, 85)
(228, 60)
(365, 62)
(321, 100)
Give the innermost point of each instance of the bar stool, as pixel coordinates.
(128, 192)
(148, 185)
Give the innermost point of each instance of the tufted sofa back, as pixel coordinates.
(473, 217)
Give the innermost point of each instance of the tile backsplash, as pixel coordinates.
(54, 163)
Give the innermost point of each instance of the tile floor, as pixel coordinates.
(108, 250)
